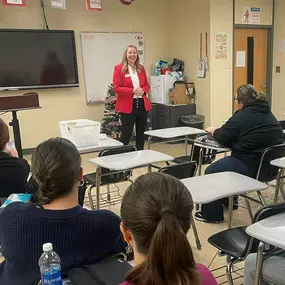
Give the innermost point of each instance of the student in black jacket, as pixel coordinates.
(247, 133)
(14, 171)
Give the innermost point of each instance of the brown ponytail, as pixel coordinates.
(157, 211)
(56, 167)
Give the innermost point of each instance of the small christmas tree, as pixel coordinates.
(111, 123)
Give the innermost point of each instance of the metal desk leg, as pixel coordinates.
(98, 182)
(198, 243)
(231, 204)
(148, 142)
(248, 208)
(149, 168)
(199, 170)
(278, 178)
(17, 133)
(259, 260)
(108, 193)
(186, 144)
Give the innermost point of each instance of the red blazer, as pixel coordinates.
(123, 86)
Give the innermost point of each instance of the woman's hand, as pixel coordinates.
(211, 130)
(139, 91)
(11, 152)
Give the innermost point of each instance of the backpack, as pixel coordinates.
(109, 271)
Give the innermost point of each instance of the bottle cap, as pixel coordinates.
(47, 247)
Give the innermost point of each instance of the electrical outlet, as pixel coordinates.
(42, 3)
(278, 69)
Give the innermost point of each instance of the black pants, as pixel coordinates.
(137, 117)
(214, 211)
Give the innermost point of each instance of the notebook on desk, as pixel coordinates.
(25, 198)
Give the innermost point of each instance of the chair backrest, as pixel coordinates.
(181, 170)
(108, 177)
(262, 214)
(267, 172)
(117, 150)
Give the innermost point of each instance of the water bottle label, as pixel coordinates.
(53, 278)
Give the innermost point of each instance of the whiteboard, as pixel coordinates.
(100, 53)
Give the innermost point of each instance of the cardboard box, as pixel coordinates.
(182, 93)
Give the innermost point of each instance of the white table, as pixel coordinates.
(208, 188)
(126, 161)
(269, 231)
(172, 133)
(104, 143)
(280, 163)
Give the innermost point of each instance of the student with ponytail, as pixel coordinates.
(156, 216)
(79, 236)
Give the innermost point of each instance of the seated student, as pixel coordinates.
(78, 235)
(247, 133)
(14, 171)
(156, 216)
(273, 270)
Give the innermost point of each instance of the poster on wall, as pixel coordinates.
(221, 50)
(94, 5)
(251, 15)
(14, 3)
(241, 58)
(281, 46)
(59, 4)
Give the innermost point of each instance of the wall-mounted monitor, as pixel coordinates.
(32, 59)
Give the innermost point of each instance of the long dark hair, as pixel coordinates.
(56, 165)
(156, 209)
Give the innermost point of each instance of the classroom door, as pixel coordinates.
(250, 59)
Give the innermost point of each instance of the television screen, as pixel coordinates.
(37, 59)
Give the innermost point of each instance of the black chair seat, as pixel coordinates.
(233, 242)
(90, 178)
(182, 159)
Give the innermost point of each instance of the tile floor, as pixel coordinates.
(208, 252)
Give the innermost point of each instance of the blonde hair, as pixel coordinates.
(125, 60)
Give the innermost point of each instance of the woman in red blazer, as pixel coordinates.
(131, 86)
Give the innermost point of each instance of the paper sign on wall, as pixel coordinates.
(281, 46)
(94, 5)
(240, 59)
(251, 15)
(14, 2)
(221, 51)
(60, 4)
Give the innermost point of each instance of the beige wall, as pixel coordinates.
(266, 7)
(278, 97)
(147, 16)
(221, 69)
(191, 19)
(170, 31)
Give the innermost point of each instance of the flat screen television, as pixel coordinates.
(32, 59)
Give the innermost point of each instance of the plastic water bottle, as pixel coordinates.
(50, 268)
